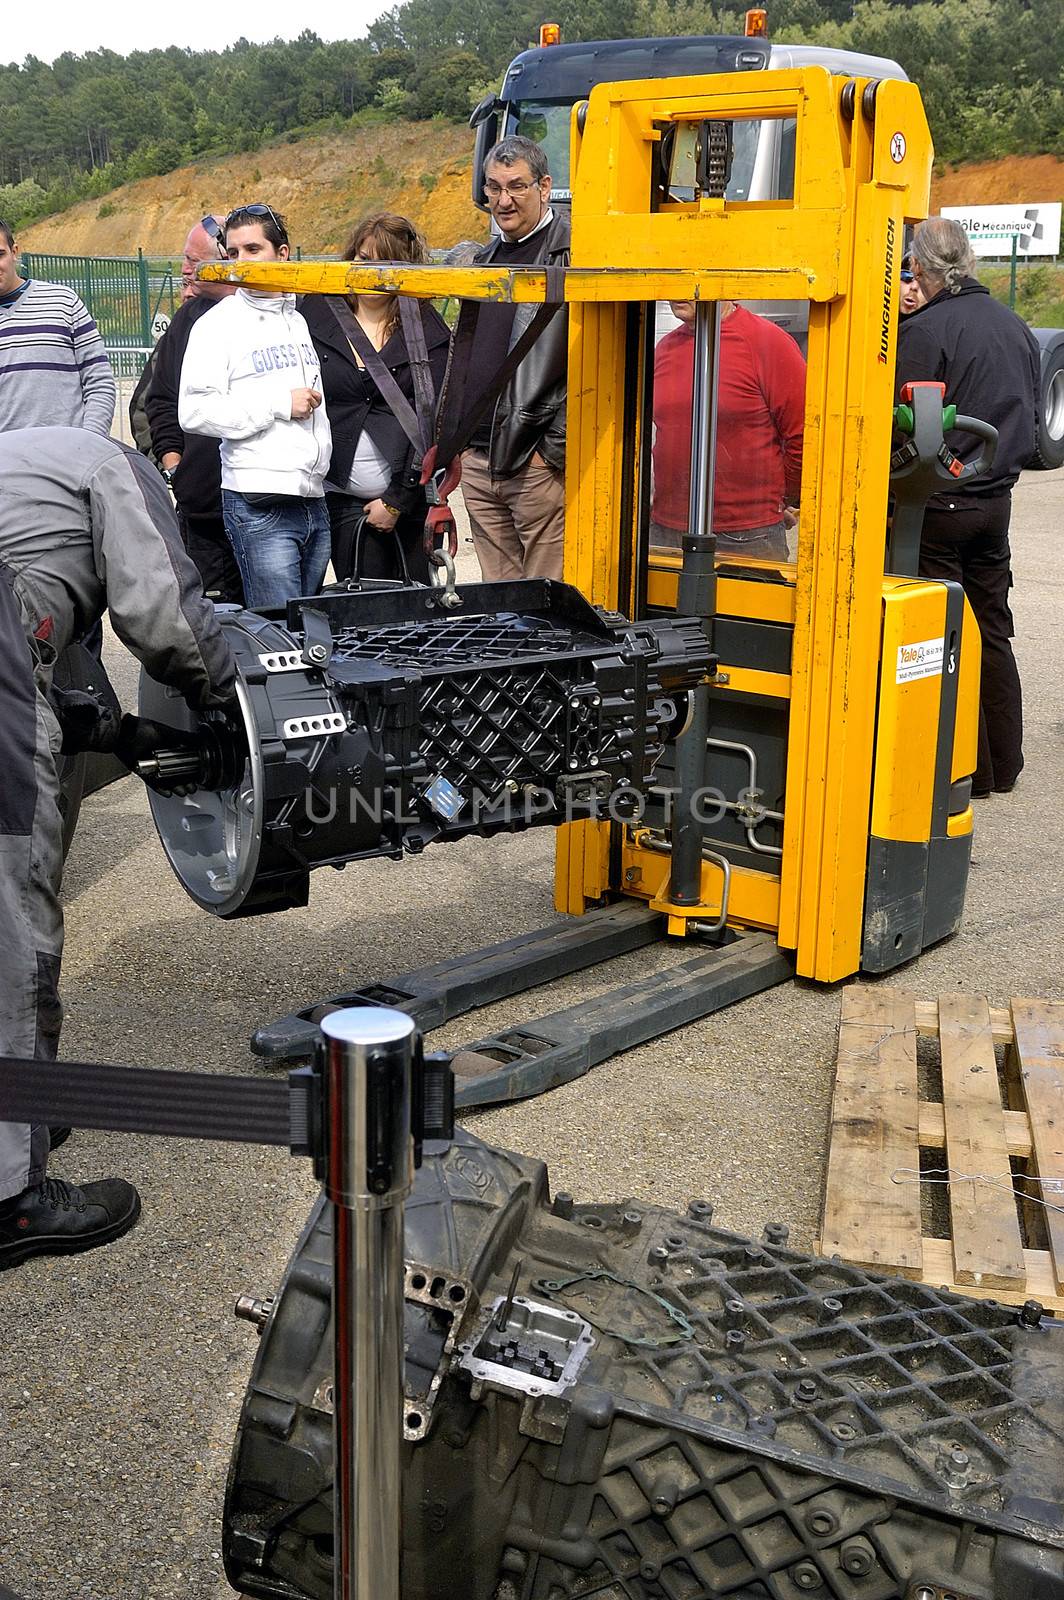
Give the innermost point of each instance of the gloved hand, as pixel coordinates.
(87, 721)
(139, 743)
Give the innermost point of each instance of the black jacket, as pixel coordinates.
(197, 481)
(530, 412)
(988, 359)
(353, 401)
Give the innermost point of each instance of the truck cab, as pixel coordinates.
(541, 86)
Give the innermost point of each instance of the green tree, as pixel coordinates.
(444, 87)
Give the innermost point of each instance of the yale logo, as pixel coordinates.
(920, 660)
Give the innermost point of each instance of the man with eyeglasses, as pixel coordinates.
(190, 462)
(251, 378)
(513, 471)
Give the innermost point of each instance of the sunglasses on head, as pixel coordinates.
(257, 209)
(214, 230)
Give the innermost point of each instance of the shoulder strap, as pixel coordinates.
(412, 318)
(455, 427)
(360, 341)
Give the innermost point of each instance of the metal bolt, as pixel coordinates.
(248, 1309)
(657, 1256)
(594, 761)
(844, 1431)
(954, 1467)
(735, 1339)
(663, 1496)
(317, 652)
(806, 1576)
(775, 1233)
(1031, 1314)
(563, 1204)
(806, 1391)
(857, 1557)
(700, 1210)
(830, 1309)
(573, 764)
(822, 1522)
(575, 703)
(734, 1313)
(631, 1222)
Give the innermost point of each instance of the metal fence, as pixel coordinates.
(130, 298)
(124, 294)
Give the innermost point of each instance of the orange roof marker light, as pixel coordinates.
(756, 24)
(550, 33)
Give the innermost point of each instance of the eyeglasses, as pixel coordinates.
(256, 210)
(906, 277)
(515, 190)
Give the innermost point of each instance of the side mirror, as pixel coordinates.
(486, 121)
(489, 106)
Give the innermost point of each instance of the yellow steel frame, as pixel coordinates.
(837, 245)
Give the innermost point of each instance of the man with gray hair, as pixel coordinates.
(987, 358)
(513, 471)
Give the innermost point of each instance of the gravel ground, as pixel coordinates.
(124, 1369)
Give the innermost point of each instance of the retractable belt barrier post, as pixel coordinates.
(368, 1055)
(360, 1113)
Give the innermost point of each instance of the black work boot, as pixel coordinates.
(58, 1219)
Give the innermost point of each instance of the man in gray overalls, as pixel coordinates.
(84, 523)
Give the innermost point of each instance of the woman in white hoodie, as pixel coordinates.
(250, 378)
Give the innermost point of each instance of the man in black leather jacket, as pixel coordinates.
(988, 360)
(513, 472)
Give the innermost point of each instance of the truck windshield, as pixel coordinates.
(547, 123)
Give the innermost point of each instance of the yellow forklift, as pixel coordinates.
(845, 702)
(813, 815)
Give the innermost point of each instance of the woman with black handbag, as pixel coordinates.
(383, 358)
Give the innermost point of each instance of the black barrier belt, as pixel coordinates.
(185, 1105)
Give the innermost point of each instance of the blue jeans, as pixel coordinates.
(281, 545)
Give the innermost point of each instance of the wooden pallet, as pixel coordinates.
(879, 1124)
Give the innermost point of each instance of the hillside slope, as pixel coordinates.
(322, 183)
(1006, 182)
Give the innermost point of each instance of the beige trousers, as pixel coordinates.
(518, 523)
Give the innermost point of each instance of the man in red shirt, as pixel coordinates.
(760, 417)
